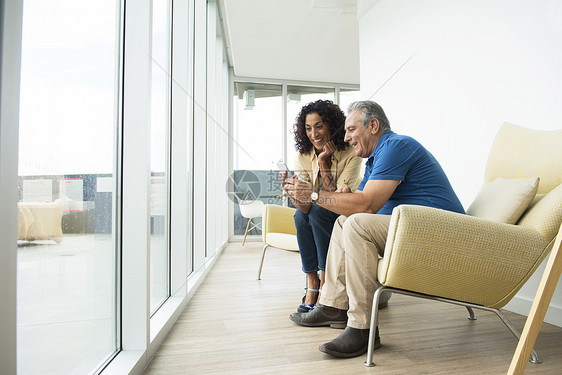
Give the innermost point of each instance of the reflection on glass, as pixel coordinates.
(160, 130)
(67, 279)
(297, 97)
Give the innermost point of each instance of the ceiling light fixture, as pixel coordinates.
(293, 98)
(250, 99)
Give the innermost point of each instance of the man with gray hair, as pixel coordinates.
(399, 170)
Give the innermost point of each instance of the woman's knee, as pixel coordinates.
(320, 216)
(300, 218)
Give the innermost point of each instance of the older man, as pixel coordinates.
(399, 170)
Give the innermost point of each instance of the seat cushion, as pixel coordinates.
(504, 200)
(282, 241)
(251, 209)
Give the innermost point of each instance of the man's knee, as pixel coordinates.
(352, 226)
(340, 221)
(367, 226)
(366, 229)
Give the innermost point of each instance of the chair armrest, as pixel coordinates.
(457, 256)
(278, 219)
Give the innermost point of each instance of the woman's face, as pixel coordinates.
(316, 130)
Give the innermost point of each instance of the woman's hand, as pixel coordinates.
(299, 191)
(283, 176)
(343, 189)
(327, 151)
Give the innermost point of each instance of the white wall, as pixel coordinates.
(459, 69)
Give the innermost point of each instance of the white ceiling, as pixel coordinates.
(310, 40)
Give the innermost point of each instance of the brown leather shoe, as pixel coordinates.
(351, 343)
(321, 316)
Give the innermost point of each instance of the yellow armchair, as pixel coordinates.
(278, 230)
(471, 261)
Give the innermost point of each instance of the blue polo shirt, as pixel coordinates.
(423, 181)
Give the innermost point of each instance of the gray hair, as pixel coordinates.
(370, 110)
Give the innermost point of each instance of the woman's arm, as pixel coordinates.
(325, 167)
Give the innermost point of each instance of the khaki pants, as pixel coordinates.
(351, 266)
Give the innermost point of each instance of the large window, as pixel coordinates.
(119, 209)
(263, 118)
(258, 117)
(160, 159)
(67, 245)
(258, 130)
(348, 96)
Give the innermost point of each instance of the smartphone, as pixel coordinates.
(282, 166)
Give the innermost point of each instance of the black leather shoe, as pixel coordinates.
(321, 316)
(351, 343)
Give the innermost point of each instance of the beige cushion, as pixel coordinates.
(282, 241)
(545, 214)
(504, 200)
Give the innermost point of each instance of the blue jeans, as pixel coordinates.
(314, 230)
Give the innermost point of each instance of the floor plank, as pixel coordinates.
(236, 324)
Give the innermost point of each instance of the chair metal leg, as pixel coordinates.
(261, 263)
(372, 331)
(534, 357)
(470, 313)
(469, 306)
(247, 228)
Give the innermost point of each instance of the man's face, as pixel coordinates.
(360, 138)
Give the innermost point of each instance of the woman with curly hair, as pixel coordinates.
(327, 162)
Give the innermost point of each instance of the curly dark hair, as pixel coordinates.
(331, 115)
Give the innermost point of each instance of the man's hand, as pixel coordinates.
(299, 191)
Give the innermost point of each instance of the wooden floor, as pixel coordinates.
(236, 324)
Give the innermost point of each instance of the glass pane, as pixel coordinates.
(257, 117)
(297, 97)
(348, 96)
(67, 280)
(160, 130)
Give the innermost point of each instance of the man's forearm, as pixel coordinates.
(344, 203)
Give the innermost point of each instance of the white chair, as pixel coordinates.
(250, 209)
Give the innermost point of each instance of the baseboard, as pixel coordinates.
(522, 306)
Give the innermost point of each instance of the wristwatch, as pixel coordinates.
(314, 197)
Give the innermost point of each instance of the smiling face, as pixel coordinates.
(362, 139)
(317, 131)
